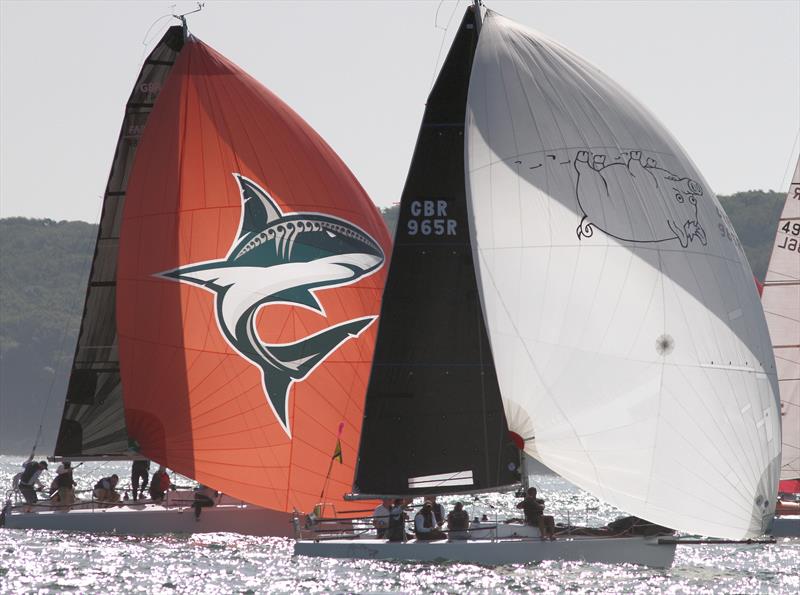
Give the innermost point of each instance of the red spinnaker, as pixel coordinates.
(250, 275)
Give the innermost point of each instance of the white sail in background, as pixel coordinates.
(625, 326)
(781, 300)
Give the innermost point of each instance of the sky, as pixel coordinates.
(724, 77)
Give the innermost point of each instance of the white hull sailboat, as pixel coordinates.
(564, 283)
(646, 551)
(149, 519)
(229, 318)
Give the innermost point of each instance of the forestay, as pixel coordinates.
(781, 300)
(629, 341)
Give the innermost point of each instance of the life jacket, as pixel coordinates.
(31, 467)
(64, 480)
(397, 527)
(103, 484)
(427, 519)
(164, 482)
(458, 520)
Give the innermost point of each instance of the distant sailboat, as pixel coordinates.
(563, 281)
(230, 315)
(781, 300)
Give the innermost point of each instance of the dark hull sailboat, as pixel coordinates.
(553, 288)
(230, 315)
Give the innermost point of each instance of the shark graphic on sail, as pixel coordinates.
(282, 258)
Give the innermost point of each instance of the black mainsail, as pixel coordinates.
(93, 422)
(434, 420)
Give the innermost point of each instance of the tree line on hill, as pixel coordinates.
(44, 266)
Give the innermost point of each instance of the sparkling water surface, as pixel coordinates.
(51, 561)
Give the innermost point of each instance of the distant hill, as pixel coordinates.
(44, 266)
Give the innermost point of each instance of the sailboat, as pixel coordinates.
(563, 282)
(781, 300)
(230, 314)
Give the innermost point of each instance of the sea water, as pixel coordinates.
(52, 561)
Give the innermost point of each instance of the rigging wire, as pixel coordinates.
(59, 352)
(444, 38)
(147, 40)
(784, 184)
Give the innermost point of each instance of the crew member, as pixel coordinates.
(380, 518)
(533, 508)
(396, 530)
(140, 470)
(159, 484)
(105, 490)
(438, 511)
(29, 481)
(204, 497)
(458, 522)
(65, 484)
(425, 524)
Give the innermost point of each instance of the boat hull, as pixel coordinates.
(616, 550)
(786, 526)
(154, 519)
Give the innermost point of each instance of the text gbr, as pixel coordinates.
(429, 217)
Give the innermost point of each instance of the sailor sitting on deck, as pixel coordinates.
(204, 497)
(438, 511)
(105, 489)
(425, 524)
(380, 518)
(29, 481)
(458, 522)
(159, 484)
(534, 515)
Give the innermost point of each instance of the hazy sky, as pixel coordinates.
(724, 77)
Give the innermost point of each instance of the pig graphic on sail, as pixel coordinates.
(617, 198)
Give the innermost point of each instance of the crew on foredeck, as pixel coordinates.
(204, 497)
(140, 471)
(159, 484)
(29, 481)
(105, 490)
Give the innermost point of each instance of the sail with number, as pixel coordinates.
(624, 336)
(434, 419)
(93, 421)
(250, 272)
(781, 300)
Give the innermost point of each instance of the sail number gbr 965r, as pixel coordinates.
(429, 217)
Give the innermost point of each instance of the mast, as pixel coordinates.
(93, 420)
(434, 420)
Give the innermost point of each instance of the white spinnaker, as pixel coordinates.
(624, 322)
(781, 300)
